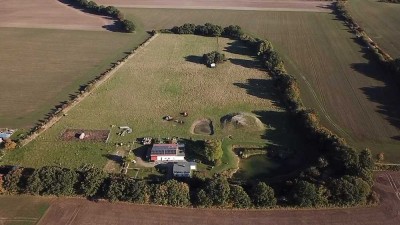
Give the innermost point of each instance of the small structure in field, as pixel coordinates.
(167, 153)
(124, 130)
(6, 133)
(147, 141)
(184, 114)
(168, 118)
(85, 135)
(184, 169)
(82, 136)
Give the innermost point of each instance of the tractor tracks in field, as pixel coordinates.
(393, 185)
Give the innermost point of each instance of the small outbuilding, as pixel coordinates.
(184, 169)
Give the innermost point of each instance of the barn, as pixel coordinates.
(167, 152)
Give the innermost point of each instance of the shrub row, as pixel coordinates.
(93, 183)
(390, 64)
(391, 1)
(338, 172)
(58, 111)
(92, 7)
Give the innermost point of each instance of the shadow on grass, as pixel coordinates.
(194, 59)
(115, 158)
(386, 95)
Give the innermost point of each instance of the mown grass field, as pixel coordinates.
(381, 22)
(41, 67)
(351, 94)
(166, 78)
(22, 210)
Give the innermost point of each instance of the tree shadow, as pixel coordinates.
(385, 96)
(194, 59)
(261, 88)
(115, 158)
(239, 48)
(247, 63)
(114, 27)
(142, 152)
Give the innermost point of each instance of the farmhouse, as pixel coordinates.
(183, 169)
(167, 152)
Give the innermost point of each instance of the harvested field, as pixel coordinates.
(203, 126)
(381, 22)
(171, 81)
(48, 14)
(270, 5)
(42, 67)
(80, 211)
(90, 135)
(25, 210)
(353, 97)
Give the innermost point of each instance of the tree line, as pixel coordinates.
(94, 183)
(337, 174)
(92, 7)
(391, 1)
(390, 64)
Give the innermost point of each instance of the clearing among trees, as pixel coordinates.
(170, 82)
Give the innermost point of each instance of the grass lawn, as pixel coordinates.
(172, 80)
(381, 22)
(352, 95)
(22, 209)
(41, 67)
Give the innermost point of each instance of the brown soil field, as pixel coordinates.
(48, 14)
(90, 135)
(271, 5)
(80, 211)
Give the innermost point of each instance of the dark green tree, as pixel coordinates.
(213, 150)
(349, 191)
(263, 195)
(52, 180)
(238, 197)
(202, 199)
(91, 181)
(305, 194)
(218, 190)
(128, 26)
(12, 181)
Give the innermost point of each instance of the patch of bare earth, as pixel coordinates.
(48, 14)
(270, 5)
(80, 211)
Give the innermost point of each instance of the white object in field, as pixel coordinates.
(82, 136)
(212, 65)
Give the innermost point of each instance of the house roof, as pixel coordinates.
(182, 167)
(167, 149)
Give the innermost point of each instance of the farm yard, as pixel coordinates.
(381, 22)
(335, 74)
(172, 80)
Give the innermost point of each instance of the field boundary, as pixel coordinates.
(59, 113)
(382, 56)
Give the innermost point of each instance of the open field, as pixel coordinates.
(80, 211)
(22, 209)
(48, 14)
(335, 74)
(381, 22)
(172, 80)
(270, 5)
(42, 67)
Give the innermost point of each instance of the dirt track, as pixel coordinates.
(47, 14)
(79, 211)
(270, 5)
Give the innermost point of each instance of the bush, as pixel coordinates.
(128, 26)
(232, 31)
(213, 57)
(91, 181)
(213, 150)
(9, 144)
(172, 193)
(238, 197)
